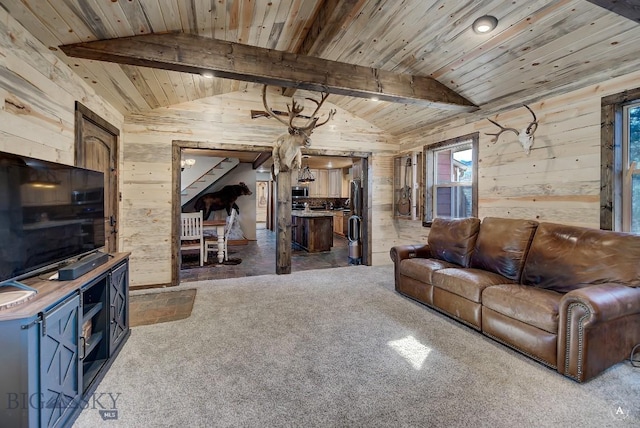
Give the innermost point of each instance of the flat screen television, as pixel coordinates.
(50, 213)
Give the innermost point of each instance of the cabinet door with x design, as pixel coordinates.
(119, 315)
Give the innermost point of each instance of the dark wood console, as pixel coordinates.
(57, 346)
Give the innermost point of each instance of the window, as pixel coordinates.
(620, 162)
(630, 204)
(451, 178)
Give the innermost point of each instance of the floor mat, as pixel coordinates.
(191, 261)
(153, 308)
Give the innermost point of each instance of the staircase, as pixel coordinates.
(203, 174)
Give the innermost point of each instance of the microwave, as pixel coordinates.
(298, 192)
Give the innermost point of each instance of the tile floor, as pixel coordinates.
(259, 258)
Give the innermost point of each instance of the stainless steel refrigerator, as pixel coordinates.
(354, 233)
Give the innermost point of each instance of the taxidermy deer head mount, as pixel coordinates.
(525, 136)
(287, 152)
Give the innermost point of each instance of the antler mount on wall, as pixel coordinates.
(287, 151)
(525, 136)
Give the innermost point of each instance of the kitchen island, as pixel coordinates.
(312, 230)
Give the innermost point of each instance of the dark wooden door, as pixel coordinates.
(97, 149)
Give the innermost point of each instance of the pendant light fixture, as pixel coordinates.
(305, 175)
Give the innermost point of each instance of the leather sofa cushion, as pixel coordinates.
(531, 305)
(502, 246)
(564, 258)
(467, 283)
(452, 240)
(422, 269)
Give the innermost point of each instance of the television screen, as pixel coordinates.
(49, 213)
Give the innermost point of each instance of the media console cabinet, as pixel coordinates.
(56, 347)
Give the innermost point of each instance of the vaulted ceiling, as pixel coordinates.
(539, 48)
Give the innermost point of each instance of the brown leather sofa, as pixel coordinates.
(566, 296)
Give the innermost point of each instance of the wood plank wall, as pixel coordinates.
(224, 119)
(558, 182)
(37, 97)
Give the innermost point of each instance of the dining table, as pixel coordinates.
(218, 226)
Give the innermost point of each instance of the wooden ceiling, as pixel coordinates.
(540, 48)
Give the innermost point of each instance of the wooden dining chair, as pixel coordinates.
(211, 245)
(191, 236)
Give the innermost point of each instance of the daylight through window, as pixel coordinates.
(631, 168)
(451, 171)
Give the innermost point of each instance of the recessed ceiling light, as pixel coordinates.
(207, 74)
(375, 99)
(485, 24)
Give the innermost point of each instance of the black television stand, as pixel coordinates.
(82, 266)
(58, 346)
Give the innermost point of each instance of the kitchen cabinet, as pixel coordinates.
(346, 179)
(320, 187)
(338, 183)
(341, 222)
(299, 232)
(335, 183)
(57, 346)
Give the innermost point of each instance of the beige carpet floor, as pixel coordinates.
(336, 348)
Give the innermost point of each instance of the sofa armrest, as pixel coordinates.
(401, 252)
(604, 302)
(598, 327)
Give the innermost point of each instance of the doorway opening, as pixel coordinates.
(256, 256)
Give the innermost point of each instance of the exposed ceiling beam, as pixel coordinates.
(190, 53)
(627, 8)
(260, 159)
(330, 18)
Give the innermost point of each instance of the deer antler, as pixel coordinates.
(313, 122)
(268, 109)
(293, 112)
(329, 117)
(502, 129)
(531, 129)
(295, 109)
(287, 154)
(525, 136)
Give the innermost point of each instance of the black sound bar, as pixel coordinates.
(82, 266)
